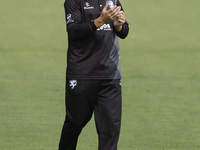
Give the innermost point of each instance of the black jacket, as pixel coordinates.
(92, 53)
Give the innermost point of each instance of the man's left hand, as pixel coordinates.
(119, 21)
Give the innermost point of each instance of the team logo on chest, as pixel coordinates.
(105, 27)
(87, 6)
(110, 4)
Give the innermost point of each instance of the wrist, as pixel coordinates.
(118, 28)
(98, 22)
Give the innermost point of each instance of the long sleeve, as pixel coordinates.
(79, 31)
(124, 32)
(125, 28)
(76, 28)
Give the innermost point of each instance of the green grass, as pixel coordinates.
(161, 76)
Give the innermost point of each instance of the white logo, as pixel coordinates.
(87, 6)
(72, 83)
(105, 27)
(110, 4)
(69, 18)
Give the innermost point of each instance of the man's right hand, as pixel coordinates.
(107, 15)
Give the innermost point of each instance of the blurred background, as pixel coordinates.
(160, 66)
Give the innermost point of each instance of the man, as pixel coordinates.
(93, 71)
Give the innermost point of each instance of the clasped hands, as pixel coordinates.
(115, 14)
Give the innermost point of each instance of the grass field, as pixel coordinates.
(161, 76)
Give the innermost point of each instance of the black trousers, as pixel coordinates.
(83, 97)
